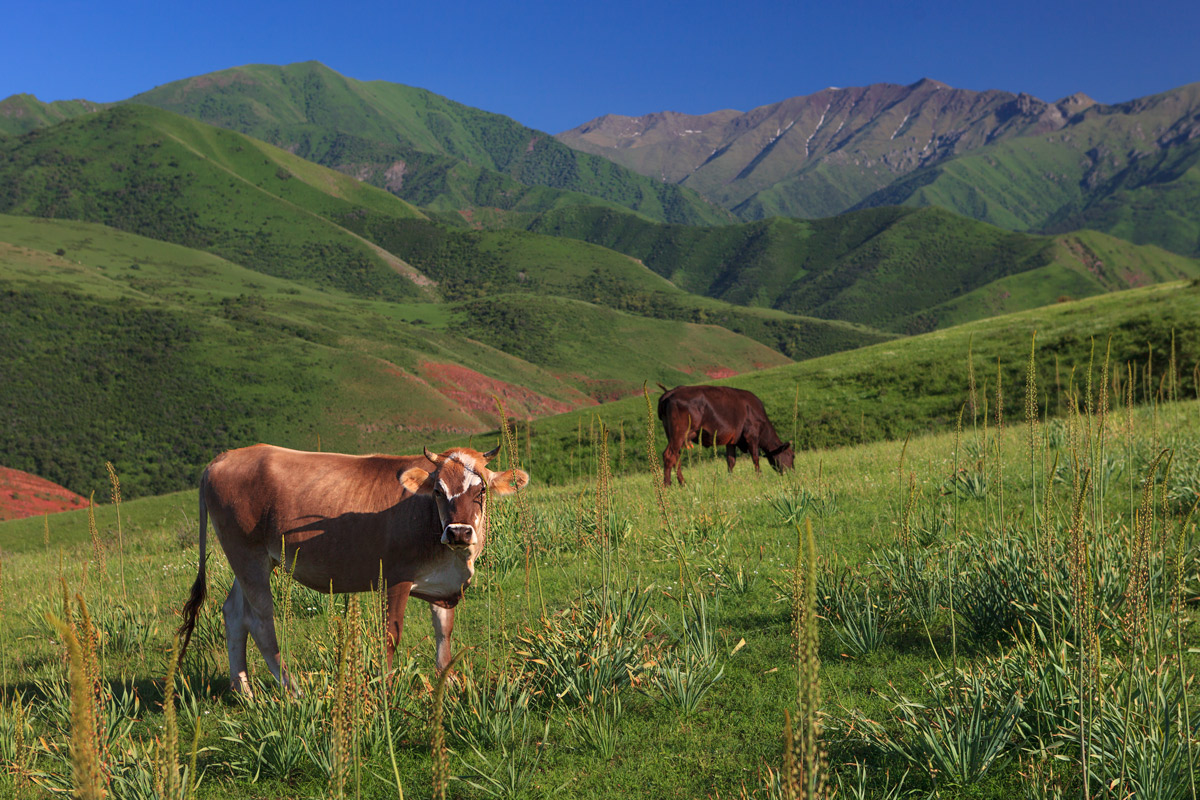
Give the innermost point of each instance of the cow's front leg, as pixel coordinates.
(730, 455)
(443, 626)
(754, 457)
(397, 599)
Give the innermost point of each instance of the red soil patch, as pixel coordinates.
(720, 372)
(473, 391)
(24, 495)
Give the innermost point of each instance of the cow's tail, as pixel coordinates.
(200, 587)
(662, 401)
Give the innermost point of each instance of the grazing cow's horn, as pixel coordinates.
(490, 454)
(434, 457)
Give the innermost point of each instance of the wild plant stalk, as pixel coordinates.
(46, 530)
(806, 767)
(999, 444)
(437, 745)
(904, 533)
(87, 771)
(115, 484)
(795, 418)
(952, 562)
(656, 474)
(94, 534)
(385, 687)
(167, 762)
(971, 397)
(1177, 613)
(1031, 421)
(1084, 612)
(524, 516)
(344, 724)
(603, 509)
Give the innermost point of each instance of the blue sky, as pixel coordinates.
(554, 65)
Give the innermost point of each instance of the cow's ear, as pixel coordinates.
(416, 481)
(509, 481)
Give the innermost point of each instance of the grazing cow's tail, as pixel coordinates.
(200, 588)
(662, 401)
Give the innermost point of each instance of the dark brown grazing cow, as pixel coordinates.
(721, 414)
(338, 523)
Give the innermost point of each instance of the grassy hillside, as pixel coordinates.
(161, 175)
(22, 113)
(163, 355)
(898, 269)
(916, 384)
(425, 148)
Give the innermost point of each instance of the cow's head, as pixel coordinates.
(782, 457)
(459, 483)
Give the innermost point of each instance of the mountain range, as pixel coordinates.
(1012, 160)
(287, 254)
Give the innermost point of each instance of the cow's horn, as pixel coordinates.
(490, 454)
(434, 457)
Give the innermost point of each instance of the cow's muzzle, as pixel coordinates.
(458, 535)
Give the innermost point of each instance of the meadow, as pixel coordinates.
(1002, 610)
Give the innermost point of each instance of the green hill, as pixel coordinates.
(904, 270)
(920, 383)
(425, 148)
(156, 356)
(161, 175)
(22, 113)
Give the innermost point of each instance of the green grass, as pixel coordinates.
(735, 732)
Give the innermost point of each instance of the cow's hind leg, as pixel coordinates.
(237, 628)
(254, 578)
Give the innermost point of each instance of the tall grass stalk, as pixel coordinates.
(1084, 613)
(87, 772)
(94, 534)
(656, 473)
(167, 778)
(1031, 421)
(524, 516)
(385, 685)
(439, 755)
(806, 767)
(115, 484)
(999, 443)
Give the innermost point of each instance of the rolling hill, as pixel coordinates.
(425, 148)
(158, 174)
(902, 270)
(920, 383)
(156, 356)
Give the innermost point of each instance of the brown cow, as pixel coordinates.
(338, 523)
(721, 414)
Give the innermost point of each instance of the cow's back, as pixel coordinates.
(328, 507)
